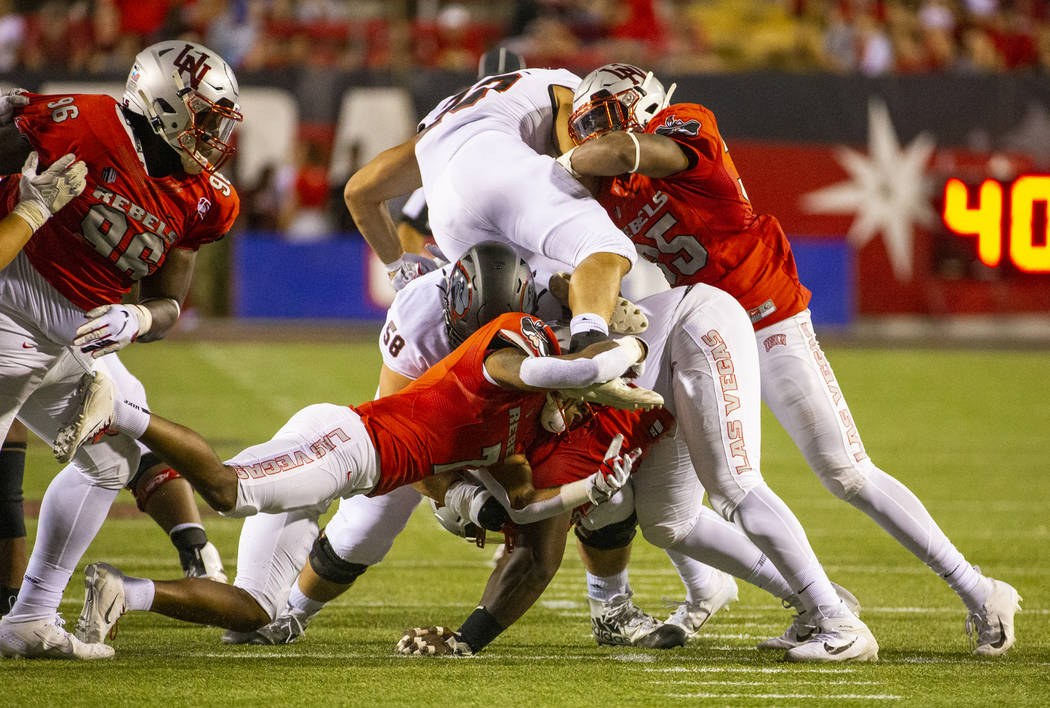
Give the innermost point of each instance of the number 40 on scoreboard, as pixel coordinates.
(1028, 199)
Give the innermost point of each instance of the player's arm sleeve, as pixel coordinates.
(558, 373)
(545, 503)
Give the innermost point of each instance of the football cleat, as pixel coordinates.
(620, 622)
(206, 563)
(803, 628)
(991, 631)
(843, 638)
(691, 616)
(46, 639)
(285, 629)
(103, 603)
(96, 395)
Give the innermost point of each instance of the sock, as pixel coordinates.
(696, 576)
(138, 593)
(12, 470)
(71, 513)
(605, 588)
(720, 544)
(300, 604)
(130, 419)
(188, 540)
(772, 526)
(586, 329)
(897, 510)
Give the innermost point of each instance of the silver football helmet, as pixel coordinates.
(452, 522)
(616, 97)
(487, 281)
(188, 93)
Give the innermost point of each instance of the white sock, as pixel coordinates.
(138, 593)
(897, 510)
(130, 419)
(586, 321)
(720, 544)
(71, 513)
(605, 588)
(300, 604)
(696, 576)
(772, 526)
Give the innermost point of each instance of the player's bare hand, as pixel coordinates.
(10, 100)
(432, 641)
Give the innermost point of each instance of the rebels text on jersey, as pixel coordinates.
(698, 226)
(453, 417)
(125, 222)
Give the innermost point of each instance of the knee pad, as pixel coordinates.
(149, 486)
(610, 537)
(843, 478)
(12, 468)
(331, 567)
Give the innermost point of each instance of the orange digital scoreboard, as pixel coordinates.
(1008, 217)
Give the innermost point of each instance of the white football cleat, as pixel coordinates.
(46, 639)
(627, 318)
(691, 616)
(843, 638)
(96, 396)
(103, 602)
(620, 622)
(803, 628)
(991, 631)
(207, 565)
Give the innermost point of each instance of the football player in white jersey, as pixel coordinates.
(484, 158)
(702, 360)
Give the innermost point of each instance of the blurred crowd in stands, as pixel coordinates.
(871, 37)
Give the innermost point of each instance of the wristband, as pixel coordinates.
(480, 629)
(32, 212)
(637, 151)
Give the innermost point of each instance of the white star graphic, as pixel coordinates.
(887, 190)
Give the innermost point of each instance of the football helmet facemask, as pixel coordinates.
(188, 94)
(489, 280)
(616, 97)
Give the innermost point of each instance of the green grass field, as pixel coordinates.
(966, 430)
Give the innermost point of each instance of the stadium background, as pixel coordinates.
(919, 92)
(908, 94)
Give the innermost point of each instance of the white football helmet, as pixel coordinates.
(452, 522)
(616, 97)
(188, 93)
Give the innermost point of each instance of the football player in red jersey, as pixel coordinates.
(153, 197)
(478, 407)
(671, 185)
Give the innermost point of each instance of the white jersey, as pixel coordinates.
(517, 104)
(486, 159)
(414, 337)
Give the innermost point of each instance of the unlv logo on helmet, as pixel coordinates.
(626, 71)
(195, 69)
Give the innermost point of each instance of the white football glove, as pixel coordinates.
(617, 394)
(432, 641)
(112, 327)
(409, 267)
(613, 473)
(44, 193)
(11, 99)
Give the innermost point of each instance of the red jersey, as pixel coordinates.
(452, 417)
(698, 226)
(121, 227)
(577, 453)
